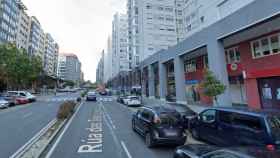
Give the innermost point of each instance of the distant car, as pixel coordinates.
(91, 96)
(132, 101)
(207, 151)
(22, 94)
(120, 99)
(159, 126)
(3, 103)
(103, 93)
(235, 127)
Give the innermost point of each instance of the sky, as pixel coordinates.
(81, 27)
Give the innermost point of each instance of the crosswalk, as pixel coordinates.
(60, 99)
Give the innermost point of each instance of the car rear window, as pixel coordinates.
(274, 123)
(169, 119)
(134, 98)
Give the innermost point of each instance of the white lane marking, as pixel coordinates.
(63, 132)
(32, 139)
(126, 150)
(108, 116)
(27, 115)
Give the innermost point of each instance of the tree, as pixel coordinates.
(212, 86)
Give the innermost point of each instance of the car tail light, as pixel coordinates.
(270, 147)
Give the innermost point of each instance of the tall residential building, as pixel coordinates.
(36, 39)
(50, 55)
(199, 14)
(108, 62)
(100, 70)
(152, 27)
(69, 68)
(180, 4)
(23, 28)
(119, 44)
(9, 10)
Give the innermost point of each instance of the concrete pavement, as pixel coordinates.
(102, 130)
(19, 124)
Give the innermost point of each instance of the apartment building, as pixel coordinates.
(36, 39)
(152, 27)
(119, 44)
(100, 70)
(108, 60)
(199, 14)
(9, 10)
(23, 28)
(69, 67)
(50, 55)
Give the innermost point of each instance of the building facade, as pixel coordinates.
(100, 70)
(120, 58)
(108, 60)
(241, 51)
(23, 28)
(36, 39)
(69, 68)
(50, 55)
(198, 14)
(9, 11)
(152, 27)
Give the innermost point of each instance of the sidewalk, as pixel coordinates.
(178, 107)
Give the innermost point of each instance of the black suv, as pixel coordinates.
(159, 125)
(235, 127)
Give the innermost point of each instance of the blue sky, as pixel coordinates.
(79, 26)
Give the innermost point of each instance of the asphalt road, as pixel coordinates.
(19, 124)
(103, 130)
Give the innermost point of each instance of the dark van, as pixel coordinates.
(159, 125)
(235, 127)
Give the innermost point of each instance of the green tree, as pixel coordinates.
(212, 86)
(18, 69)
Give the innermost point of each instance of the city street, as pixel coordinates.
(19, 124)
(103, 129)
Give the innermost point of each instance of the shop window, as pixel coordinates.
(266, 46)
(190, 65)
(233, 55)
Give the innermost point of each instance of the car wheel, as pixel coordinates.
(149, 140)
(195, 134)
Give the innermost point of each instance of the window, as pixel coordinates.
(245, 121)
(225, 117)
(209, 116)
(232, 55)
(221, 154)
(146, 114)
(266, 46)
(190, 65)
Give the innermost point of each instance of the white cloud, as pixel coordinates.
(79, 26)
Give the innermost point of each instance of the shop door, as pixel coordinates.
(270, 92)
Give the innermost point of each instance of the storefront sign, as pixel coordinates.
(189, 82)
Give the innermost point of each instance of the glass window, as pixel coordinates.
(221, 154)
(225, 117)
(246, 121)
(265, 46)
(274, 123)
(208, 116)
(233, 55)
(256, 49)
(275, 44)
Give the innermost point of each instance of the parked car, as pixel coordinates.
(159, 125)
(3, 103)
(23, 94)
(91, 96)
(120, 99)
(234, 127)
(11, 99)
(132, 101)
(207, 151)
(103, 92)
